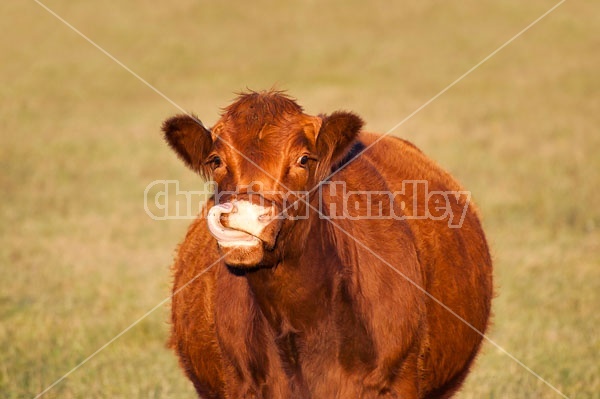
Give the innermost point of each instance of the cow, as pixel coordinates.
(319, 268)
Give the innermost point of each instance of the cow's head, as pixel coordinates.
(264, 153)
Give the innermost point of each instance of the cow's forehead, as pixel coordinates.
(274, 134)
(268, 141)
(267, 124)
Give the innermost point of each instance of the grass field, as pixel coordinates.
(80, 260)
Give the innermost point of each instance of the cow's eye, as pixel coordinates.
(215, 162)
(303, 160)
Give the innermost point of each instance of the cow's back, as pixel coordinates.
(456, 263)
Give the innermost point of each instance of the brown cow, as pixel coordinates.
(375, 284)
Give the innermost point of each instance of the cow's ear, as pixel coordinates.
(338, 132)
(190, 140)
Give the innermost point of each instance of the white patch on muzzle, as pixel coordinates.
(249, 217)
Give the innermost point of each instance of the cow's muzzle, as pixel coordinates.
(225, 235)
(243, 230)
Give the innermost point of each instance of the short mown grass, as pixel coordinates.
(80, 260)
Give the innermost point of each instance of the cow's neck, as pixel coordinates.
(295, 294)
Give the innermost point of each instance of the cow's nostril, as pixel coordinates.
(267, 216)
(233, 206)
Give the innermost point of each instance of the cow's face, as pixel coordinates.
(264, 154)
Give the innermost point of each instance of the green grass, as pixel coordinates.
(80, 260)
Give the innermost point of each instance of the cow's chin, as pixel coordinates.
(242, 254)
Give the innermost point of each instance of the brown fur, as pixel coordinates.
(320, 315)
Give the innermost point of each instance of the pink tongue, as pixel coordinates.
(220, 232)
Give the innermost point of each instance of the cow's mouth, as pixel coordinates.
(239, 247)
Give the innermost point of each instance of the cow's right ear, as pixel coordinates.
(190, 140)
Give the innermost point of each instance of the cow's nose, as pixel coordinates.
(264, 215)
(249, 217)
(267, 216)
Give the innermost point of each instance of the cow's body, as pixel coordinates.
(350, 307)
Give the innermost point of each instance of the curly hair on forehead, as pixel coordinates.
(259, 108)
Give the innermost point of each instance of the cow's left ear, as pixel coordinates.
(335, 138)
(190, 140)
